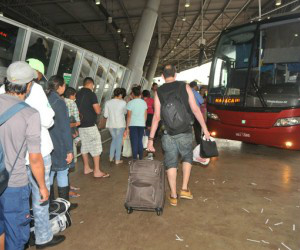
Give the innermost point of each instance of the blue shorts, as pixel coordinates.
(174, 145)
(15, 216)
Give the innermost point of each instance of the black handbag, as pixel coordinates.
(208, 148)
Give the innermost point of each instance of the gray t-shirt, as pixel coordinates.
(25, 124)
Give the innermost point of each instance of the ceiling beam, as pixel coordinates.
(82, 25)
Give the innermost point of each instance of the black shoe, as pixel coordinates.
(73, 206)
(55, 241)
(63, 192)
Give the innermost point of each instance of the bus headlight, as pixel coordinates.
(213, 116)
(285, 122)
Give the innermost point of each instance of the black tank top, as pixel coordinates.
(162, 93)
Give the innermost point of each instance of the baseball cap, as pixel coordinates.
(20, 73)
(36, 64)
(193, 84)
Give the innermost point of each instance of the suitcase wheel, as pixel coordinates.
(159, 211)
(129, 210)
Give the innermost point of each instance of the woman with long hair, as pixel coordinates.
(60, 132)
(114, 112)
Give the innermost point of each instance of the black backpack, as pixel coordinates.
(176, 117)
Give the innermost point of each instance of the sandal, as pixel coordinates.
(103, 176)
(73, 194)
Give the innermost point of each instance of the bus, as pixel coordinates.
(254, 83)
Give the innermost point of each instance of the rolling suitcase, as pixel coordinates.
(146, 186)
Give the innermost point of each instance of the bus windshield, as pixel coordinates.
(257, 67)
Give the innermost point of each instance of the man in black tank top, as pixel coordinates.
(174, 103)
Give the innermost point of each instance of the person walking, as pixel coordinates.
(89, 108)
(37, 99)
(136, 121)
(199, 100)
(60, 132)
(115, 111)
(176, 99)
(20, 133)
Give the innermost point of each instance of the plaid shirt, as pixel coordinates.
(73, 110)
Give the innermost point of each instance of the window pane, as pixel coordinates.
(101, 78)
(40, 47)
(85, 68)
(66, 64)
(10, 35)
(108, 87)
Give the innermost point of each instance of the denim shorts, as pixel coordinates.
(15, 216)
(173, 145)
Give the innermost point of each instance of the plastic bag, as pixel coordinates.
(197, 158)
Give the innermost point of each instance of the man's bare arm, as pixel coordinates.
(97, 108)
(38, 171)
(196, 111)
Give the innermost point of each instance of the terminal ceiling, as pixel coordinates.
(109, 29)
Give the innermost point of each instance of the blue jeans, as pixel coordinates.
(62, 178)
(116, 143)
(136, 140)
(43, 232)
(14, 214)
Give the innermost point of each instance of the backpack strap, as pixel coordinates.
(12, 111)
(5, 117)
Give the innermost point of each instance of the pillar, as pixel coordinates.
(142, 41)
(152, 68)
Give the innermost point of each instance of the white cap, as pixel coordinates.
(20, 73)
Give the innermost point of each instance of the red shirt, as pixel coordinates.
(150, 105)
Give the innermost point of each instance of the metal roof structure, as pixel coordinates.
(109, 28)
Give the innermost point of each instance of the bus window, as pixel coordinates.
(278, 75)
(231, 63)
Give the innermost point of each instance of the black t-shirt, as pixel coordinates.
(85, 98)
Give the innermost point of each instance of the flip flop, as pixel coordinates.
(74, 188)
(91, 171)
(103, 176)
(73, 194)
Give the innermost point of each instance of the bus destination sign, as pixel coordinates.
(227, 100)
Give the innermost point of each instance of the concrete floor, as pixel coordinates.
(241, 195)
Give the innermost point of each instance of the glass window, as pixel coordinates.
(230, 66)
(11, 43)
(40, 47)
(276, 81)
(100, 78)
(66, 63)
(110, 81)
(119, 78)
(85, 68)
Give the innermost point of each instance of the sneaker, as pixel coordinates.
(173, 201)
(186, 194)
(150, 156)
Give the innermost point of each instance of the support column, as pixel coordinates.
(152, 68)
(142, 41)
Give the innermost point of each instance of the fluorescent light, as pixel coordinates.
(178, 39)
(119, 30)
(278, 2)
(187, 3)
(296, 35)
(1, 13)
(127, 46)
(97, 2)
(184, 19)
